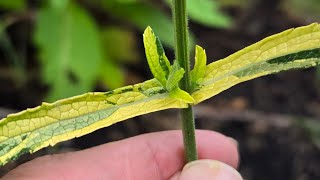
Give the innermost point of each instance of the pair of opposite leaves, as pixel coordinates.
(170, 76)
(48, 124)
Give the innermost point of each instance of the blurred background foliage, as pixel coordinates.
(52, 49)
(75, 51)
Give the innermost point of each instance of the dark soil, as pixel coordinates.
(267, 116)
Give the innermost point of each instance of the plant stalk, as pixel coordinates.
(182, 56)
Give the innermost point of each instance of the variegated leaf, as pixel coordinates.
(291, 49)
(48, 124)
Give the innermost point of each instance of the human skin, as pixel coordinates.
(155, 156)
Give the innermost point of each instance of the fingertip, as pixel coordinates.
(208, 169)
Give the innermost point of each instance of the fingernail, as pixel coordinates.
(209, 169)
(235, 142)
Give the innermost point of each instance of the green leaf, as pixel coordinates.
(120, 44)
(70, 50)
(142, 15)
(111, 75)
(125, 1)
(176, 74)
(181, 95)
(48, 124)
(59, 4)
(291, 49)
(199, 70)
(13, 4)
(207, 12)
(157, 60)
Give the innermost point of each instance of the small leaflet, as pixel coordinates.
(199, 70)
(175, 76)
(157, 60)
(181, 95)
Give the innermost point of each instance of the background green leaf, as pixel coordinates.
(59, 4)
(70, 50)
(142, 15)
(207, 12)
(111, 75)
(13, 4)
(120, 44)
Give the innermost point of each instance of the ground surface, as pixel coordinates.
(267, 116)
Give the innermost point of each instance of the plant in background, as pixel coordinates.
(304, 11)
(71, 61)
(15, 4)
(173, 86)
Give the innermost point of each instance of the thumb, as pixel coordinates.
(208, 169)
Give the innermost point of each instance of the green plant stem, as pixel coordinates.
(182, 56)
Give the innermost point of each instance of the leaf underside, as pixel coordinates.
(48, 124)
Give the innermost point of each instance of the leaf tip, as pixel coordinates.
(148, 31)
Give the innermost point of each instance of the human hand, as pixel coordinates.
(149, 156)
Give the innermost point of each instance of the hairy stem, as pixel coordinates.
(182, 56)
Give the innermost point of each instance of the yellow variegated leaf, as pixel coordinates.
(157, 60)
(293, 48)
(48, 124)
